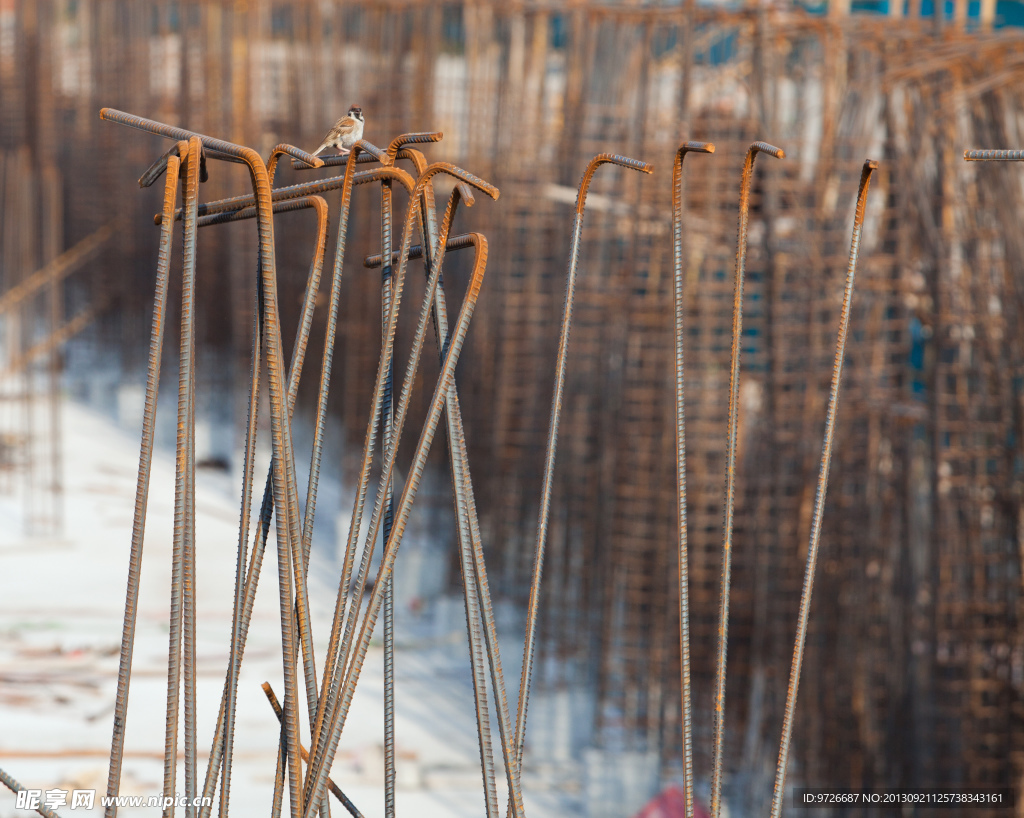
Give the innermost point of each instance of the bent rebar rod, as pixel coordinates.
(280, 427)
(387, 355)
(279, 194)
(182, 622)
(172, 164)
(684, 580)
(223, 734)
(334, 788)
(324, 702)
(386, 420)
(340, 617)
(405, 502)
(461, 492)
(819, 498)
(529, 641)
(338, 648)
(476, 592)
(730, 468)
(340, 655)
(300, 616)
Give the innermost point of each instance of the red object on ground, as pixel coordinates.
(670, 803)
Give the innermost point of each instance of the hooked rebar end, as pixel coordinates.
(698, 147)
(771, 150)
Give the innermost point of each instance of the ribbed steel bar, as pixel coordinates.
(229, 216)
(244, 592)
(280, 194)
(461, 481)
(284, 499)
(386, 420)
(460, 242)
(282, 754)
(14, 786)
(334, 788)
(301, 616)
(467, 499)
(224, 736)
(342, 626)
(408, 492)
(730, 470)
(211, 145)
(461, 487)
(819, 498)
(179, 557)
(684, 576)
(386, 157)
(994, 156)
(190, 229)
(533, 607)
(337, 161)
(159, 167)
(325, 702)
(131, 605)
(333, 678)
(387, 352)
(304, 159)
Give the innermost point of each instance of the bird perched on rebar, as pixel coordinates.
(346, 132)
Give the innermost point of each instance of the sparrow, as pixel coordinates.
(346, 132)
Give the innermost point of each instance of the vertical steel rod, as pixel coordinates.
(730, 469)
(251, 578)
(408, 495)
(533, 607)
(131, 606)
(386, 420)
(684, 582)
(819, 498)
(179, 567)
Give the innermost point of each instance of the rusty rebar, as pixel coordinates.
(730, 468)
(285, 499)
(244, 593)
(476, 593)
(15, 786)
(131, 605)
(334, 788)
(386, 420)
(408, 493)
(684, 582)
(460, 242)
(325, 702)
(461, 486)
(533, 606)
(181, 639)
(819, 498)
(341, 660)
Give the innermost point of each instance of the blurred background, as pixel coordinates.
(914, 670)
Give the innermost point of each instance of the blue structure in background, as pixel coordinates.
(1008, 12)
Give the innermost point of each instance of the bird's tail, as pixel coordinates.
(317, 151)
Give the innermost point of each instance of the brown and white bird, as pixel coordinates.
(346, 132)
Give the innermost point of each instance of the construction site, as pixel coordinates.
(590, 524)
